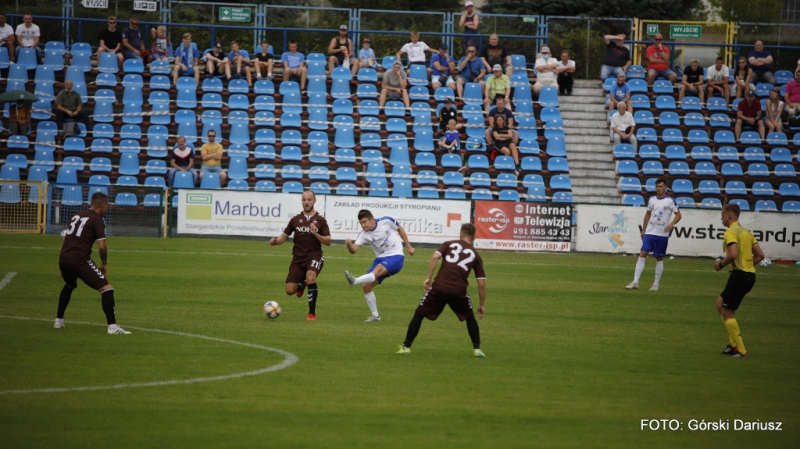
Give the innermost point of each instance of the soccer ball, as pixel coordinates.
(272, 309)
(766, 263)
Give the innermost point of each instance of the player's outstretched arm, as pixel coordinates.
(275, 241)
(758, 254)
(482, 296)
(431, 268)
(404, 236)
(352, 247)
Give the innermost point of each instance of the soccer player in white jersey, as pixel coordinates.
(655, 232)
(386, 237)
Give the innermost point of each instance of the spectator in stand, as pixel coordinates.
(7, 37)
(211, 153)
(341, 51)
(692, 81)
(617, 58)
(497, 84)
(503, 142)
(447, 113)
(69, 107)
(545, 71)
(28, 36)
(741, 77)
(111, 40)
(159, 51)
(619, 93)
(394, 85)
(774, 111)
(470, 22)
(658, 62)
(239, 61)
(494, 53)
(132, 43)
(216, 62)
(718, 75)
(623, 127)
(500, 109)
(565, 70)
(294, 68)
(415, 51)
(187, 56)
(760, 61)
(366, 56)
(263, 62)
(182, 159)
(450, 141)
(749, 114)
(19, 115)
(472, 71)
(444, 69)
(792, 96)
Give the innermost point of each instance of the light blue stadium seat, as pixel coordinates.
(743, 204)
(633, 200)
(666, 103)
(630, 184)
(791, 206)
(473, 94)
(765, 206)
(378, 187)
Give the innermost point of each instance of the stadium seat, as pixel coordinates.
(212, 121)
(716, 104)
(646, 135)
(785, 171)
(652, 168)
(633, 200)
(663, 87)
(237, 86)
(480, 179)
(370, 124)
(668, 118)
(187, 124)
(455, 193)
(724, 136)
(750, 138)
(645, 117)
(696, 136)
(672, 135)
(665, 103)
(155, 167)
(624, 151)
(777, 138)
(264, 87)
(780, 155)
(694, 119)
(187, 92)
(508, 195)
(762, 189)
(473, 94)
(100, 165)
(210, 181)
(675, 153)
(765, 206)
(418, 75)
(736, 188)
(678, 168)
(367, 91)
(264, 171)
(705, 169)
(754, 154)
(757, 169)
(637, 85)
(536, 193)
(791, 206)
(548, 96)
(291, 153)
(691, 103)
(701, 153)
(560, 182)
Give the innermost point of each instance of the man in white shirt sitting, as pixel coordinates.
(717, 77)
(623, 127)
(545, 71)
(416, 52)
(566, 74)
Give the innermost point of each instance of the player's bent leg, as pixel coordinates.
(291, 288)
(313, 292)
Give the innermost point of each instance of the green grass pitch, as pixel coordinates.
(574, 360)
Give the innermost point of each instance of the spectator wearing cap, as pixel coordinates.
(470, 22)
(394, 85)
(263, 62)
(216, 62)
(341, 51)
(415, 51)
(760, 61)
(617, 58)
(494, 53)
(472, 70)
(692, 81)
(446, 113)
(545, 70)
(366, 56)
(566, 73)
(658, 61)
(748, 114)
(498, 83)
(443, 67)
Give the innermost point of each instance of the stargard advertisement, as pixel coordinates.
(509, 226)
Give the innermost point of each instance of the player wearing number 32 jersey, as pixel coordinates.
(450, 288)
(75, 261)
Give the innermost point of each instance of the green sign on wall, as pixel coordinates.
(685, 31)
(652, 29)
(234, 14)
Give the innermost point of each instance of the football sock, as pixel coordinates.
(733, 331)
(366, 279)
(312, 298)
(413, 329)
(639, 269)
(474, 332)
(659, 271)
(372, 303)
(63, 301)
(108, 306)
(731, 341)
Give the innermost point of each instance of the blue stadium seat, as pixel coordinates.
(556, 146)
(697, 136)
(508, 195)
(785, 171)
(536, 193)
(675, 152)
(557, 165)
(100, 165)
(791, 206)
(633, 200)
(504, 163)
(344, 138)
(668, 118)
(451, 160)
(665, 102)
(646, 135)
(783, 77)
(716, 104)
(264, 87)
(427, 177)
(624, 151)
(724, 136)
(292, 187)
(691, 103)
(682, 186)
(731, 169)
(418, 75)
(455, 193)
(708, 187)
(370, 124)
(291, 153)
(264, 171)
(754, 154)
(523, 93)
(560, 182)
(210, 181)
(750, 138)
(762, 188)
(652, 168)
(627, 167)
(238, 86)
(637, 85)
(705, 169)
(701, 153)
(187, 92)
(780, 155)
(777, 138)
(735, 188)
(548, 96)
(743, 204)
(694, 119)
(480, 179)
(212, 85)
(686, 202)
(679, 168)
(663, 87)
(758, 169)
(473, 94)
(506, 180)
(645, 117)
(765, 206)
(672, 135)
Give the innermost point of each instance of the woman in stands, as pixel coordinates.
(741, 76)
(774, 110)
(503, 143)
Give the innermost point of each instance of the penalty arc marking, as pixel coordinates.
(289, 360)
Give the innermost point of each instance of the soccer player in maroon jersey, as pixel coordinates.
(450, 288)
(310, 233)
(75, 261)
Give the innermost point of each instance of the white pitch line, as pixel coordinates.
(6, 279)
(290, 359)
(408, 259)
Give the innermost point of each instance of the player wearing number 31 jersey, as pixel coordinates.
(450, 288)
(75, 261)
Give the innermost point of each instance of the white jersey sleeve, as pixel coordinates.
(661, 210)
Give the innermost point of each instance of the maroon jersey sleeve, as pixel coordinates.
(290, 227)
(322, 226)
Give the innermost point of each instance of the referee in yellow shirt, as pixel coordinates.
(741, 253)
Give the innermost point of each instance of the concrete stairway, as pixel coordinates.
(591, 164)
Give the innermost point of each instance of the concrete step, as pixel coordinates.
(580, 156)
(594, 168)
(591, 199)
(584, 181)
(578, 127)
(581, 100)
(584, 114)
(595, 140)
